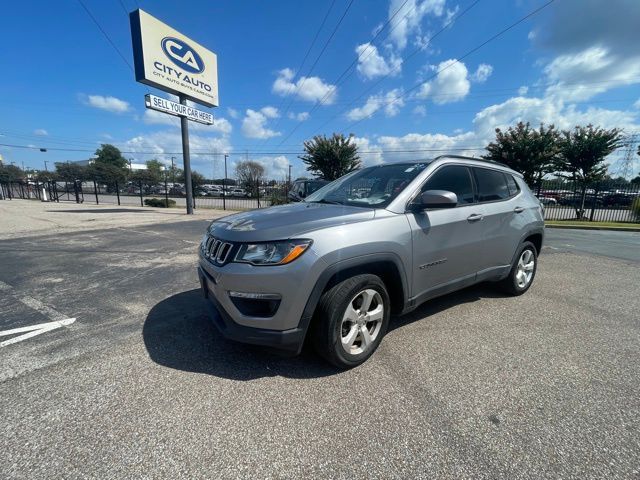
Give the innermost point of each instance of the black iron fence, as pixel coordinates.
(165, 194)
(597, 202)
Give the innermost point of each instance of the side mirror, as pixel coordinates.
(437, 199)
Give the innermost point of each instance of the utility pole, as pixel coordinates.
(45, 166)
(173, 170)
(289, 175)
(130, 170)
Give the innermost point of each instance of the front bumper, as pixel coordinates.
(290, 340)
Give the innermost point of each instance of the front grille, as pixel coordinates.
(216, 250)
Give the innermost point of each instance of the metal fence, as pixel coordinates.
(603, 202)
(232, 197)
(597, 202)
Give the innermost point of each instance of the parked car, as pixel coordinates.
(238, 192)
(216, 191)
(303, 188)
(335, 266)
(575, 200)
(547, 200)
(618, 199)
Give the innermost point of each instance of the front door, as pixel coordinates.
(447, 243)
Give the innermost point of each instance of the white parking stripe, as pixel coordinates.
(33, 330)
(58, 319)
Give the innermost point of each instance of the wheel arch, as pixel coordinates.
(387, 266)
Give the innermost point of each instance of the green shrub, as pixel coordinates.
(278, 198)
(635, 207)
(159, 202)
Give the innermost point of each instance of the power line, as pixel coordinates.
(447, 25)
(245, 152)
(304, 59)
(457, 60)
(324, 47)
(106, 35)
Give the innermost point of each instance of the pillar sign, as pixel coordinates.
(166, 59)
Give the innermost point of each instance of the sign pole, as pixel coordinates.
(184, 124)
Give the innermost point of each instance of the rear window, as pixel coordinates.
(492, 185)
(512, 184)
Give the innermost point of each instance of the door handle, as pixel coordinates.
(475, 217)
(518, 210)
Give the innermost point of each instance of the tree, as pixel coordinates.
(111, 155)
(331, 158)
(581, 155)
(152, 175)
(109, 166)
(527, 150)
(249, 173)
(10, 173)
(71, 171)
(636, 180)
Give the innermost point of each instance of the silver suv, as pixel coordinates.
(376, 242)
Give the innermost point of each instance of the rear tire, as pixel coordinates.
(350, 320)
(523, 271)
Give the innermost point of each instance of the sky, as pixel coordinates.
(410, 79)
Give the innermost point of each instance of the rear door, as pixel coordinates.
(447, 242)
(499, 194)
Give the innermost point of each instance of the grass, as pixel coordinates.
(585, 223)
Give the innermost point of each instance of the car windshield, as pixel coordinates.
(372, 187)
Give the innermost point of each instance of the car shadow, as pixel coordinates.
(179, 334)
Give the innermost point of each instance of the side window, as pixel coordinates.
(454, 178)
(512, 184)
(492, 185)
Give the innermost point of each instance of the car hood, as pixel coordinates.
(285, 221)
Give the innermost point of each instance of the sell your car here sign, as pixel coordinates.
(177, 109)
(166, 59)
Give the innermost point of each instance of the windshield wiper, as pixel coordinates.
(330, 202)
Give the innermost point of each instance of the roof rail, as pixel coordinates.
(462, 157)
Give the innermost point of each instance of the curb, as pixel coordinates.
(593, 227)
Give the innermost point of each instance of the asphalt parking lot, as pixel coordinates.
(471, 385)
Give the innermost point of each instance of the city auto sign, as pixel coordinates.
(166, 59)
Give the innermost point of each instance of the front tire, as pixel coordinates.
(523, 270)
(351, 319)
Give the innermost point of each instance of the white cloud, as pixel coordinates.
(637, 104)
(205, 149)
(501, 115)
(310, 89)
(233, 113)
(254, 123)
(275, 167)
(301, 117)
(369, 154)
(408, 20)
(581, 76)
(450, 85)
(110, 104)
(391, 102)
(220, 124)
(523, 90)
(41, 132)
(420, 111)
(371, 64)
(483, 72)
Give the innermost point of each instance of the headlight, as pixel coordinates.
(273, 253)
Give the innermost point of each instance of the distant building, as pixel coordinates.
(132, 166)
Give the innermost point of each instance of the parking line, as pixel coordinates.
(57, 319)
(33, 330)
